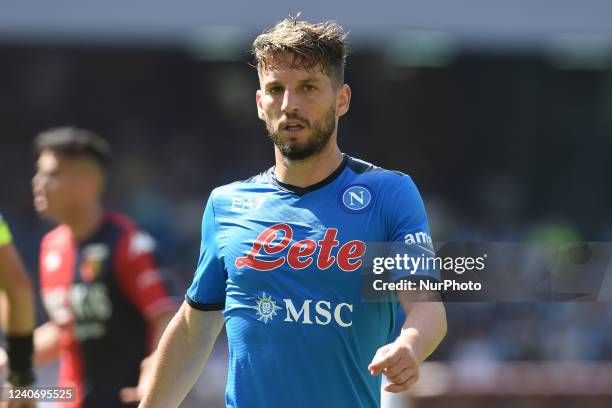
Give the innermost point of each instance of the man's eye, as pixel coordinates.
(274, 90)
(308, 88)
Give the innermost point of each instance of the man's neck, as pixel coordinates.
(304, 173)
(85, 222)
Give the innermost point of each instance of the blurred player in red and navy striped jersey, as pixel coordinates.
(99, 280)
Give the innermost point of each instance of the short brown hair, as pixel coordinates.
(74, 142)
(311, 45)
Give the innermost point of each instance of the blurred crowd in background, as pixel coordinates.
(504, 146)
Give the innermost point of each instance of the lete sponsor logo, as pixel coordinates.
(301, 254)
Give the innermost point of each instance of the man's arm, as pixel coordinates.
(158, 325)
(422, 331)
(20, 319)
(181, 355)
(16, 282)
(46, 346)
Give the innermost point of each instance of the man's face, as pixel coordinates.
(59, 185)
(300, 108)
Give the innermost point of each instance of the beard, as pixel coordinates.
(320, 133)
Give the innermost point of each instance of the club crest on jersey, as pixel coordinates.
(356, 198)
(92, 262)
(265, 308)
(264, 253)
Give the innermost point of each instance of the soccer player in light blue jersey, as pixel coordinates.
(281, 254)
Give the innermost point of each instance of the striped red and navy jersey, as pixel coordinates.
(101, 293)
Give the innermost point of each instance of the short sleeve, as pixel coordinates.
(5, 233)
(207, 291)
(138, 274)
(409, 230)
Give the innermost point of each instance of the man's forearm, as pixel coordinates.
(21, 309)
(158, 326)
(181, 355)
(424, 328)
(15, 280)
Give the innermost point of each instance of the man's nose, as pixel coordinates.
(290, 102)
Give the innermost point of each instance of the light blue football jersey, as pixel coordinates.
(283, 262)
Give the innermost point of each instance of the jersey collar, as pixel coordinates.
(300, 191)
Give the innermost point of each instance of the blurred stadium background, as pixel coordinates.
(501, 111)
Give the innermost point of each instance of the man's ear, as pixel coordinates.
(260, 111)
(343, 99)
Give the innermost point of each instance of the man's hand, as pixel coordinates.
(3, 363)
(22, 404)
(422, 331)
(3, 375)
(17, 403)
(132, 395)
(399, 363)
